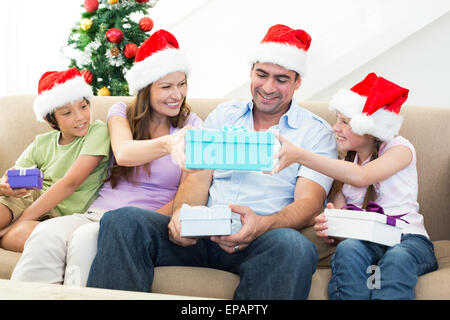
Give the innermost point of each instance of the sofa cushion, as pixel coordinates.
(422, 125)
(195, 281)
(8, 260)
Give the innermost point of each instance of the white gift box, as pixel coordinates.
(201, 221)
(363, 225)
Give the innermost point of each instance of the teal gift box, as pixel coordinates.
(229, 150)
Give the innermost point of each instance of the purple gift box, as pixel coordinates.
(25, 178)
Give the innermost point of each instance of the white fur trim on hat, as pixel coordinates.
(61, 94)
(155, 67)
(382, 124)
(287, 56)
(347, 102)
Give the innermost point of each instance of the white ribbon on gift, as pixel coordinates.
(188, 212)
(23, 171)
(234, 128)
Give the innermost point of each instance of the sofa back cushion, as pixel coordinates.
(426, 127)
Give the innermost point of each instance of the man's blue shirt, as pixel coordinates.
(267, 194)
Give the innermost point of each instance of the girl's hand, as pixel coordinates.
(288, 154)
(320, 226)
(5, 188)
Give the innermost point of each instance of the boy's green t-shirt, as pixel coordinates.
(55, 160)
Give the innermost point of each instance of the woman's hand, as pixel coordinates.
(176, 146)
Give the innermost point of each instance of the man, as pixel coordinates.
(273, 259)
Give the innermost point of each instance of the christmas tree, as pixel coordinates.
(104, 42)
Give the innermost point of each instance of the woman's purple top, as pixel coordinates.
(144, 191)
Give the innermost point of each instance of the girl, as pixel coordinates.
(73, 159)
(379, 166)
(144, 137)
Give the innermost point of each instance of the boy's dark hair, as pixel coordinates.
(51, 119)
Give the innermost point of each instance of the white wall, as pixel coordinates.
(218, 35)
(32, 34)
(419, 63)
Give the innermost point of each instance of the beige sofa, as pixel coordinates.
(427, 128)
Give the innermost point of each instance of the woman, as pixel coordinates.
(145, 139)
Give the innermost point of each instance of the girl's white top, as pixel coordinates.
(397, 194)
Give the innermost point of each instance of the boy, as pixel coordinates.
(73, 159)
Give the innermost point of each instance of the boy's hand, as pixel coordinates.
(5, 188)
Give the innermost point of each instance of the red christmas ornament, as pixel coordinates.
(130, 50)
(87, 75)
(146, 24)
(91, 5)
(141, 1)
(114, 35)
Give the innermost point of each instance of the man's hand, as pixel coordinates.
(175, 231)
(5, 188)
(253, 226)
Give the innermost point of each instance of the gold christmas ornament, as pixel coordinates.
(114, 51)
(86, 24)
(113, 1)
(104, 92)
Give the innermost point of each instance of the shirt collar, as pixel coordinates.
(364, 162)
(289, 119)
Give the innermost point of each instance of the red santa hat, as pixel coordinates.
(158, 56)
(57, 88)
(284, 46)
(373, 106)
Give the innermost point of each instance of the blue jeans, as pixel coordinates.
(364, 270)
(132, 241)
